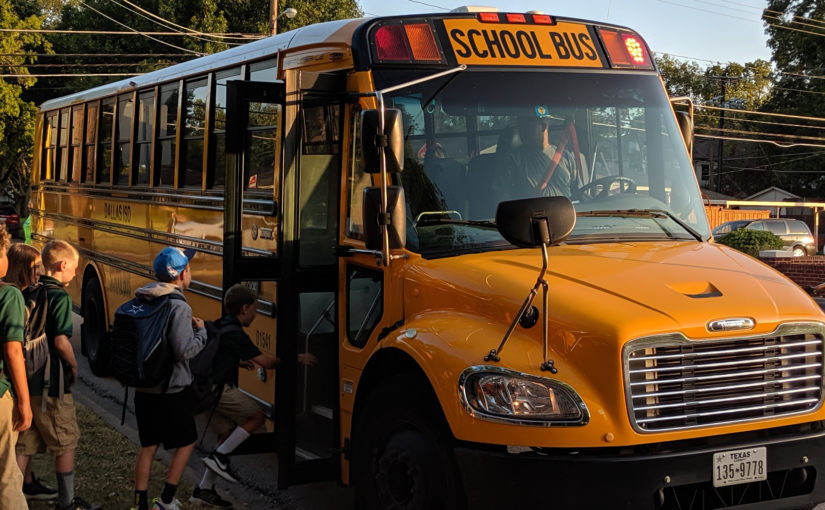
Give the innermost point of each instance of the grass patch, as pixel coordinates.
(104, 467)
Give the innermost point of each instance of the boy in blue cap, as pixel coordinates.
(166, 415)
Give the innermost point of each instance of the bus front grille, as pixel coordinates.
(673, 383)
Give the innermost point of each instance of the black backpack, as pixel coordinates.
(140, 352)
(35, 343)
(204, 395)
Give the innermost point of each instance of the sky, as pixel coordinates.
(702, 30)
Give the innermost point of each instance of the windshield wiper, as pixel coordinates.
(644, 213)
(453, 221)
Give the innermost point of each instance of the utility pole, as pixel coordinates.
(273, 17)
(723, 81)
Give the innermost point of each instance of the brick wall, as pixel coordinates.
(803, 270)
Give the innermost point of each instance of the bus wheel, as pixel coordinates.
(403, 457)
(94, 331)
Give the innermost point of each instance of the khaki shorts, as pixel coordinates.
(235, 406)
(11, 479)
(54, 430)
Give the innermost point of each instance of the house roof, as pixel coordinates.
(781, 193)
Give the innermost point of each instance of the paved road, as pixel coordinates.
(258, 489)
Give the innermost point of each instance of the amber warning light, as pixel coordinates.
(408, 42)
(625, 49)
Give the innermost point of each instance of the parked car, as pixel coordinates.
(795, 234)
(9, 217)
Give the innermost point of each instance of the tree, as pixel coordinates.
(16, 114)
(747, 87)
(796, 33)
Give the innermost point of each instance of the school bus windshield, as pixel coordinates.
(606, 140)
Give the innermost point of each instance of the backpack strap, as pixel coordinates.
(47, 369)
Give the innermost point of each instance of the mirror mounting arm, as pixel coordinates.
(540, 227)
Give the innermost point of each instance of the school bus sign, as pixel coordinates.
(563, 44)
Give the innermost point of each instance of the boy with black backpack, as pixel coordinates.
(165, 413)
(55, 422)
(234, 349)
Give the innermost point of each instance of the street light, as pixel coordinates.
(289, 12)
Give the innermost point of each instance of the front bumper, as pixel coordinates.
(658, 477)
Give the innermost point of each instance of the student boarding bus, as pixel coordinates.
(487, 228)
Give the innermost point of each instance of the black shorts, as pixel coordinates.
(166, 418)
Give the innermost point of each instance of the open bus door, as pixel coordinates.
(304, 265)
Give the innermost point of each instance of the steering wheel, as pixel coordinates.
(601, 188)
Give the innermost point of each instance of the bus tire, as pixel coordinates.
(94, 332)
(403, 453)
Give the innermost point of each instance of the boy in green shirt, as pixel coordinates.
(15, 413)
(55, 428)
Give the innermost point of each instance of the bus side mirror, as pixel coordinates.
(392, 140)
(686, 126)
(395, 221)
(531, 222)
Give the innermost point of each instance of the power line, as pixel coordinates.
(195, 34)
(707, 10)
(754, 121)
(757, 133)
(126, 64)
(112, 32)
(67, 75)
(133, 30)
(143, 55)
(772, 142)
(153, 15)
(754, 112)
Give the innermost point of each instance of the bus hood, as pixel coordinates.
(616, 291)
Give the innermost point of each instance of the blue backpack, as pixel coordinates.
(140, 352)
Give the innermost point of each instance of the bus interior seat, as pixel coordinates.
(483, 175)
(448, 177)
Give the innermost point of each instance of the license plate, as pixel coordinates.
(740, 466)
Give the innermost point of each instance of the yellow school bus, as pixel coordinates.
(487, 228)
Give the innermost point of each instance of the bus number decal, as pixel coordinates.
(263, 340)
(567, 44)
(117, 212)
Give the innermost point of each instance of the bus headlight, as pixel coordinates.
(498, 394)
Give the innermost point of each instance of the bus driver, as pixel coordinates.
(532, 167)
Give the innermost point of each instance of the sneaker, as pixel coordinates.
(78, 504)
(157, 504)
(209, 497)
(36, 490)
(219, 463)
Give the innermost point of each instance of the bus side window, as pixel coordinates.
(168, 126)
(49, 147)
(63, 146)
(265, 70)
(125, 116)
(92, 112)
(219, 125)
(320, 164)
(143, 137)
(357, 180)
(195, 122)
(76, 145)
(107, 122)
(264, 147)
(365, 303)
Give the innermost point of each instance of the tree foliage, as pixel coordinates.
(796, 33)
(751, 241)
(16, 114)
